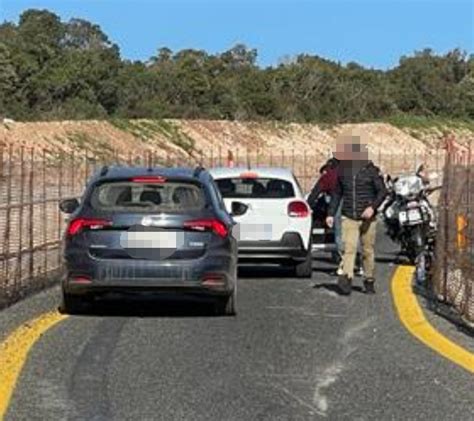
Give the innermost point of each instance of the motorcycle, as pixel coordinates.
(410, 219)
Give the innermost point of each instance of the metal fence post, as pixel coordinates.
(72, 181)
(45, 214)
(19, 260)
(59, 198)
(31, 214)
(447, 183)
(86, 168)
(293, 160)
(6, 238)
(2, 157)
(306, 181)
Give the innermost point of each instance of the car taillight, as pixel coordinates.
(214, 225)
(249, 175)
(149, 179)
(79, 224)
(298, 209)
(81, 279)
(213, 280)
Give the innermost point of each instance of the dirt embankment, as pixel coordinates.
(194, 137)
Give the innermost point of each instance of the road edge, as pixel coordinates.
(412, 317)
(14, 352)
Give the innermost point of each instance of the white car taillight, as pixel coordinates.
(298, 209)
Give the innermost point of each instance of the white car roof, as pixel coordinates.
(263, 172)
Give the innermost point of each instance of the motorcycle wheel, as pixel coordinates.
(416, 243)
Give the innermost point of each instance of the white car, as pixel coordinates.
(273, 219)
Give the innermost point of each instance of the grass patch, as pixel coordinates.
(151, 130)
(99, 148)
(121, 124)
(428, 124)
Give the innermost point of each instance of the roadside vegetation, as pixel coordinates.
(55, 70)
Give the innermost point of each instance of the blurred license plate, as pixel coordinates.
(414, 215)
(150, 240)
(254, 232)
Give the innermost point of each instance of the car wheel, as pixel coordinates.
(72, 304)
(226, 306)
(305, 268)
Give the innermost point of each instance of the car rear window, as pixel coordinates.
(255, 188)
(129, 196)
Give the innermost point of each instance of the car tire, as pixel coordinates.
(226, 306)
(305, 268)
(72, 304)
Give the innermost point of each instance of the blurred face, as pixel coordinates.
(350, 148)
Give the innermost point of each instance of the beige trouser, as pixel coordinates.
(351, 231)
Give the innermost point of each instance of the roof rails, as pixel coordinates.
(198, 170)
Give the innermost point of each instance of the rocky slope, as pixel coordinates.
(196, 137)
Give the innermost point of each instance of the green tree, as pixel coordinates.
(8, 79)
(51, 69)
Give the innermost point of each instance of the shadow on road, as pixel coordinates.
(147, 306)
(265, 271)
(332, 287)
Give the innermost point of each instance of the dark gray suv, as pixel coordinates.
(150, 230)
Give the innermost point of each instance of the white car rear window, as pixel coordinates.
(255, 188)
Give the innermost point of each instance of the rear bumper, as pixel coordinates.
(205, 276)
(194, 291)
(290, 247)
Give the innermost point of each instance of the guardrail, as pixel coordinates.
(33, 182)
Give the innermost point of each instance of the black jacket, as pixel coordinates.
(359, 185)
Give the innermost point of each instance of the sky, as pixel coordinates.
(374, 33)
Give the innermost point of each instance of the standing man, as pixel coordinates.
(361, 188)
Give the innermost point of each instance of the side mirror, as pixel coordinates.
(238, 208)
(433, 189)
(420, 169)
(68, 205)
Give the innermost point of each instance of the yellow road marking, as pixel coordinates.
(14, 352)
(412, 317)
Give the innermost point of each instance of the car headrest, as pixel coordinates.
(226, 186)
(257, 189)
(183, 196)
(150, 196)
(124, 196)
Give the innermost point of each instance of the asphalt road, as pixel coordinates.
(296, 351)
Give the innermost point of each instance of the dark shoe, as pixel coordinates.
(344, 284)
(369, 286)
